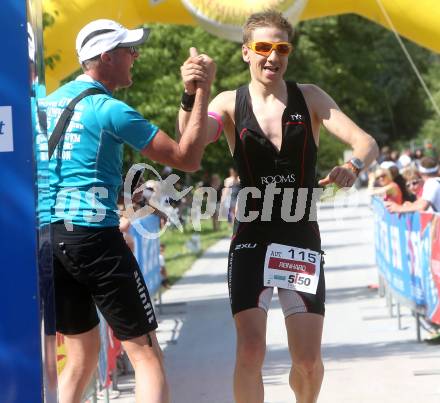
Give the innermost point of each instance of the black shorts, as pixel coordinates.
(246, 270)
(94, 266)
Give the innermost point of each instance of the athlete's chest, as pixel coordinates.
(270, 122)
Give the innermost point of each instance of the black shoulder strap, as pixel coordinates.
(42, 120)
(66, 116)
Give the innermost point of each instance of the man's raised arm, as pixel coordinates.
(187, 153)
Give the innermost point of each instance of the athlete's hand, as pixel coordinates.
(341, 175)
(197, 70)
(210, 70)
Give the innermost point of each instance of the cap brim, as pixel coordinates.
(387, 164)
(135, 37)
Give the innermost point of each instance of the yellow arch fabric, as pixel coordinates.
(418, 21)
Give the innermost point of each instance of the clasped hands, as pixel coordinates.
(198, 71)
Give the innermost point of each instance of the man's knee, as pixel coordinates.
(251, 351)
(310, 366)
(83, 350)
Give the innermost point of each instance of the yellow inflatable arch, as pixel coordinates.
(418, 21)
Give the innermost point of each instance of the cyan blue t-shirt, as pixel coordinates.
(40, 145)
(85, 169)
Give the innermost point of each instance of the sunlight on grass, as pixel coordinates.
(178, 258)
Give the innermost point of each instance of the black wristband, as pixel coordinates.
(187, 101)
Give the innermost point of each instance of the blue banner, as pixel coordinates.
(408, 256)
(147, 250)
(20, 342)
(399, 252)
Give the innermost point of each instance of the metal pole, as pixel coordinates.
(107, 396)
(160, 300)
(389, 300)
(399, 316)
(419, 337)
(382, 287)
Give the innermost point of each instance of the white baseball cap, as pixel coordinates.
(387, 164)
(102, 35)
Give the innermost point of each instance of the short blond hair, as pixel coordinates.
(411, 174)
(267, 18)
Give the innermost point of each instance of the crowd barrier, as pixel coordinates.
(147, 250)
(408, 258)
(147, 255)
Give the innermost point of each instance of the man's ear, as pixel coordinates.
(106, 57)
(245, 53)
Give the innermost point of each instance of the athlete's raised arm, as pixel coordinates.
(219, 110)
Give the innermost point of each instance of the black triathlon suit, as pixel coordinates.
(259, 164)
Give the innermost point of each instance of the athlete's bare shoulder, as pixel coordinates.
(310, 91)
(317, 100)
(224, 103)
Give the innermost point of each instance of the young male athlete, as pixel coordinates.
(93, 266)
(272, 128)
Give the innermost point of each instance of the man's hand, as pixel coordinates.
(197, 71)
(341, 176)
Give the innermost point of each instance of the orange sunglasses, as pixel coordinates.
(265, 48)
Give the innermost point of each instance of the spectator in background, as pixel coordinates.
(216, 184)
(418, 155)
(414, 182)
(384, 154)
(429, 169)
(163, 270)
(398, 179)
(430, 150)
(386, 187)
(404, 160)
(230, 192)
(394, 156)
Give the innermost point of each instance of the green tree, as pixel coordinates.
(357, 62)
(430, 129)
(362, 66)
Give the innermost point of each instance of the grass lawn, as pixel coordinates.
(178, 258)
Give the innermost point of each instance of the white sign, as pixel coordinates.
(6, 134)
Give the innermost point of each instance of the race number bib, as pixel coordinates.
(292, 268)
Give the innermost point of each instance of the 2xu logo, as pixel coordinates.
(245, 246)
